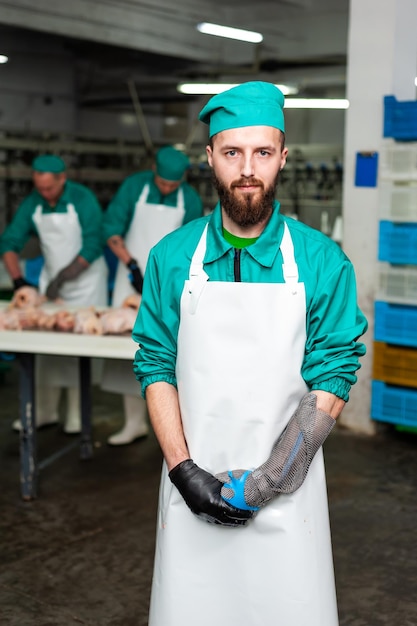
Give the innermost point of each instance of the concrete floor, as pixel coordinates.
(82, 552)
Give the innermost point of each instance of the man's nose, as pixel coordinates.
(247, 166)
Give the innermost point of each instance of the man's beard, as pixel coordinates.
(246, 210)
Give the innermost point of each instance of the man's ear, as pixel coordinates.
(209, 153)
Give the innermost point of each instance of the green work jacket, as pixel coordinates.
(333, 320)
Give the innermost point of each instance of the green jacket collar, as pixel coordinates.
(264, 251)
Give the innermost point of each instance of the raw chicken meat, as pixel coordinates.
(132, 301)
(28, 318)
(64, 321)
(25, 311)
(9, 320)
(119, 320)
(46, 321)
(88, 322)
(26, 297)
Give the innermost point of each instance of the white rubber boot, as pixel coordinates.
(72, 424)
(47, 401)
(136, 422)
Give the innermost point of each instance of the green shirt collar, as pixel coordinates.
(264, 250)
(238, 242)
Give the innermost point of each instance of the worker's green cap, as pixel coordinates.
(255, 103)
(171, 163)
(48, 163)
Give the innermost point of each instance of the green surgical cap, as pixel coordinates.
(48, 163)
(251, 104)
(171, 163)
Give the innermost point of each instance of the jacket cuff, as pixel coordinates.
(156, 378)
(337, 386)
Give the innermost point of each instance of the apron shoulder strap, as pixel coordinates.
(289, 267)
(196, 267)
(197, 276)
(180, 199)
(143, 196)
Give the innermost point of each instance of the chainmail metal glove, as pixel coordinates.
(70, 272)
(286, 468)
(201, 492)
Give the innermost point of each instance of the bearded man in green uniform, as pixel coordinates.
(248, 346)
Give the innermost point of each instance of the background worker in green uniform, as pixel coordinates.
(66, 217)
(248, 347)
(147, 206)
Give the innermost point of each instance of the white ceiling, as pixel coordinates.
(155, 43)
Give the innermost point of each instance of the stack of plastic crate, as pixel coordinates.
(394, 385)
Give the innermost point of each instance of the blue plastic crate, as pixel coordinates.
(400, 119)
(397, 243)
(396, 405)
(396, 324)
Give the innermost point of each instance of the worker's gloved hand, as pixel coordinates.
(70, 272)
(201, 492)
(286, 468)
(136, 277)
(21, 282)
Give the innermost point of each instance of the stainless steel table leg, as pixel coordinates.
(28, 456)
(86, 446)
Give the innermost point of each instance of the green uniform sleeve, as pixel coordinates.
(334, 324)
(20, 229)
(156, 357)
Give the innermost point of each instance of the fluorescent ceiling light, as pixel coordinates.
(316, 103)
(213, 88)
(230, 33)
(3, 58)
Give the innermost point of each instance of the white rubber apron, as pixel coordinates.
(150, 223)
(60, 238)
(240, 352)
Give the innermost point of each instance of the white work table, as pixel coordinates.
(26, 344)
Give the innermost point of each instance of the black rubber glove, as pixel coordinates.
(201, 492)
(70, 272)
(136, 277)
(21, 282)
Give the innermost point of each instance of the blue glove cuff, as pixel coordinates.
(238, 487)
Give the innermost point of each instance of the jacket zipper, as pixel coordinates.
(237, 265)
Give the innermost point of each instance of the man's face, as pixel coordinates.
(246, 162)
(166, 186)
(49, 186)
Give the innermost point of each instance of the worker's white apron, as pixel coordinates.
(240, 352)
(60, 237)
(150, 223)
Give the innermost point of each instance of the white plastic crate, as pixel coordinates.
(398, 284)
(398, 161)
(397, 202)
